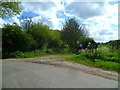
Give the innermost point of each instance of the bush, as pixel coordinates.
(16, 54)
(14, 39)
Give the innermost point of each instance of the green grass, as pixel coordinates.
(19, 54)
(105, 59)
(107, 65)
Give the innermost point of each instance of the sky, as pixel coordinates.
(99, 18)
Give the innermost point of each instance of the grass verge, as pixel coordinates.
(19, 54)
(106, 65)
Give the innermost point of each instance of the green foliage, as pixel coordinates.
(40, 33)
(85, 40)
(14, 39)
(103, 53)
(114, 45)
(9, 9)
(38, 36)
(54, 40)
(71, 33)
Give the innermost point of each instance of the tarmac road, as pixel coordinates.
(20, 74)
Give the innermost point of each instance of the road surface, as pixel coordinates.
(20, 74)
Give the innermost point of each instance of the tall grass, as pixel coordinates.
(102, 57)
(103, 53)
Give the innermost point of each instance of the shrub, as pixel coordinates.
(14, 39)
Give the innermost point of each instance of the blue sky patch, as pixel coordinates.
(112, 3)
(28, 14)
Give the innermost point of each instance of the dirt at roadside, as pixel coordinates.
(58, 61)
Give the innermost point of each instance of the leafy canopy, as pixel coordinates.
(71, 32)
(9, 9)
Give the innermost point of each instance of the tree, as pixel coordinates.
(54, 40)
(26, 24)
(71, 33)
(14, 39)
(9, 9)
(40, 33)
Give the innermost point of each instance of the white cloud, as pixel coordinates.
(104, 28)
(43, 20)
(12, 20)
(36, 6)
(46, 11)
(9, 21)
(85, 9)
(40, 8)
